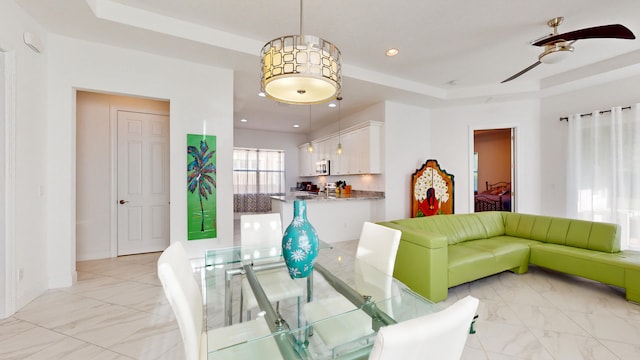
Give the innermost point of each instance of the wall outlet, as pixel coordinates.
(20, 274)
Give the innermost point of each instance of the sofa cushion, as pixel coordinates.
(627, 259)
(492, 221)
(577, 261)
(508, 252)
(473, 259)
(576, 233)
(500, 245)
(467, 264)
(462, 255)
(604, 237)
(458, 227)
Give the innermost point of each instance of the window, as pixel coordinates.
(257, 175)
(603, 172)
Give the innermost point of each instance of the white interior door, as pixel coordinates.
(143, 182)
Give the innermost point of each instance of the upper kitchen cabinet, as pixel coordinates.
(361, 150)
(305, 161)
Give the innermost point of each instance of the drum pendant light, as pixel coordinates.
(300, 69)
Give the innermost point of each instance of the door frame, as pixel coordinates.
(515, 131)
(8, 269)
(113, 163)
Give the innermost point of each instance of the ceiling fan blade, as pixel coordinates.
(521, 72)
(615, 31)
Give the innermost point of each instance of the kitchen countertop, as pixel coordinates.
(355, 195)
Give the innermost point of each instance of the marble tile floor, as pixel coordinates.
(117, 311)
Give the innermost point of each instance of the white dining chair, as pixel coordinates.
(376, 252)
(264, 232)
(184, 295)
(438, 336)
(378, 246)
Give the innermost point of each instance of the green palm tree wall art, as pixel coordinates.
(201, 186)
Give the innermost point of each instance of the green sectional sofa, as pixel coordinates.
(439, 252)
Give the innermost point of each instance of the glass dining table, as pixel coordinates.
(346, 301)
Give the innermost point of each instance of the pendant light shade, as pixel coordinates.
(300, 69)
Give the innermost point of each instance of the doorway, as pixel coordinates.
(100, 218)
(3, 239)
(493, 169)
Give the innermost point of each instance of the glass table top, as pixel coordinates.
(346, 301)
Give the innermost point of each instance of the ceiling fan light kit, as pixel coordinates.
(557, 46)
(300, 69)
(555, 53)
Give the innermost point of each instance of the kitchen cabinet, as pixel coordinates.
(343, 161)
(305, 161)
(361, 151)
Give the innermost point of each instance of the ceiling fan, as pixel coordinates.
(559, 46)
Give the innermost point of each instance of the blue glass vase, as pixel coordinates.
(300, 243)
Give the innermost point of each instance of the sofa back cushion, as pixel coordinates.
(458, 227)
(577, 233)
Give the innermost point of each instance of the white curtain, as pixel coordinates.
(603, 170)
(257, 174)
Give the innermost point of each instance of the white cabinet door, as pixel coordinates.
(356, 152)
(305, 167)
(367, 155)
(359, 152)
(344, 160)
(375, 148)
(330, 146)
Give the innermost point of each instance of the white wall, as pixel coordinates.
(274, 140)
(93, 156)
(201, 100)
(451, 141)
(3, 182)
(553, 141)
(408, 144)
(26, 246)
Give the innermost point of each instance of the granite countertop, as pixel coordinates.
(355, 195)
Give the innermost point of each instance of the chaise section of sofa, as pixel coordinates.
(439, 252)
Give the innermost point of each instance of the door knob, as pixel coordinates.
(122, 202)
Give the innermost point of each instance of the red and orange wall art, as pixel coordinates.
(431, 190)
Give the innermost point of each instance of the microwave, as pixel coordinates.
(323, 167)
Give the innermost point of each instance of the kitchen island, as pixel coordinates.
(335, 218)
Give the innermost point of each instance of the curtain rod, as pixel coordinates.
(566, 118)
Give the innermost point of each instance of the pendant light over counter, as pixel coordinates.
(309, 145)
(339, 149)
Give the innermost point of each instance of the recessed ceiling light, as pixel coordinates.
(296, 125)
(392, 52)
(332, 105)
(243, 120)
